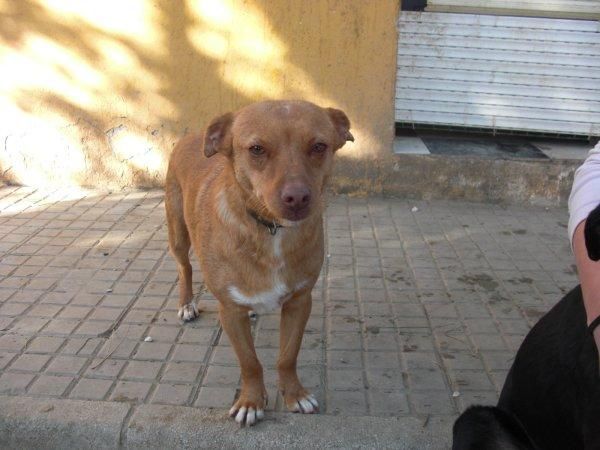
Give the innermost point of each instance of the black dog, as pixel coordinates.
(592, 234)
(551, 397)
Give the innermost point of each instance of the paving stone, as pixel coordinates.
(488, 341)
(166, 334)
(105, 314)
(346, 403)
(344, 359)
(498, 360)
(50, 386)
(184, 372)
(14, 383)
(387, 403)
(215, 397)
(28, 325)
(30, 363)
(172, 394)
(93, 328)
(69, 365)
(432, 402)
(44, 310)
(91, 389)
(13, 342)
(419, 360)
(221, 376)
(189, 352)
(152, 351)
(470, 380)
(224, 356)
(142, 370)
(350, 379)
(344, 341)
(462, 360)
(104, 368)
(13, 309)
(426, 379)
(130, 391)
(61, 327)
(6, 358)
(377, 359)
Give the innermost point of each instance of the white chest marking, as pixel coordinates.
(279, 292)
(223, 209)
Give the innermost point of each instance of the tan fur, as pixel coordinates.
(211, 186)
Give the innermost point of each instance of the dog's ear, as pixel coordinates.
(592, 234)
(217, 138)
(342, 125)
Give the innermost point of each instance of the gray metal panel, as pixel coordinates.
(517, 73)
(556, 8)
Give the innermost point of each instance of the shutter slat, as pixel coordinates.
(516, 73)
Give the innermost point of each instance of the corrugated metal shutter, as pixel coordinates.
(513, 73)
(589, 9)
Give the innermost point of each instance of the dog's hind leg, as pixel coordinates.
(179, 243)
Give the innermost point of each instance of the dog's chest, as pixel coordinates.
(278, 292)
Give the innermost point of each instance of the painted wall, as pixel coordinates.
(96, 93)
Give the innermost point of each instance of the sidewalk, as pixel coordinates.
(418, 314)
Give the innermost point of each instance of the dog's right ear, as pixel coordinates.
(592, 234)
(217, 138)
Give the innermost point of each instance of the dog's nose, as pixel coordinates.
(295, 196)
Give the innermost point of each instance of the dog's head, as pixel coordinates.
(592, 234)
(281, 152)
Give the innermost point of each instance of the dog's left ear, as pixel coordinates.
(217, 138)
(342, 125)
(592, 234)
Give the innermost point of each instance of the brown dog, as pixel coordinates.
(251, 205)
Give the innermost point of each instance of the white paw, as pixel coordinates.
(306, 405)
(188, 312)
(246, 416)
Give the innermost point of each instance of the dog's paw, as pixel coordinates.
(188, 312)
(248, 412)
(246, 415)
(305, 405)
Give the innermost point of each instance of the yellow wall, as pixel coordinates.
(96, 93)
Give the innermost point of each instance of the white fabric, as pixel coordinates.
(585, 193)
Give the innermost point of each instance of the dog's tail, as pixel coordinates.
(489, 428)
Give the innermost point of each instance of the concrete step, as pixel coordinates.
(497, 169)
(58, 424)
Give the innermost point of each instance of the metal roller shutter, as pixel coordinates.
(499, 72)
(584, 9)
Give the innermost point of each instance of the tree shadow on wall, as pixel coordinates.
(109, 86)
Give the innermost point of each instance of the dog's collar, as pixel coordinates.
(271, 225)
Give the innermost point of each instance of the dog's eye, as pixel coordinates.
(257, 150)
(319, 148)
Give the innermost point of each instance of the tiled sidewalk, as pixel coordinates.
(418, 312)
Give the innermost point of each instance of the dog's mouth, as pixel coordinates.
(295, 215)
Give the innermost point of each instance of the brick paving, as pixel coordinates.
(417, 312)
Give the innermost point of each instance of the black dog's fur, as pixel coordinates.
(551, 397)
(592, 234)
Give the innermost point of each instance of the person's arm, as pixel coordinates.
(584, 198)
(589, 277)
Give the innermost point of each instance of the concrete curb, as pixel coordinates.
(57, 423)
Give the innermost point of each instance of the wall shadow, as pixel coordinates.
(99, 94)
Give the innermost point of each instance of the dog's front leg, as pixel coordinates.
(294, 315)
(249, 407)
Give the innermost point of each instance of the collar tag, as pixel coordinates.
(271, 225)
